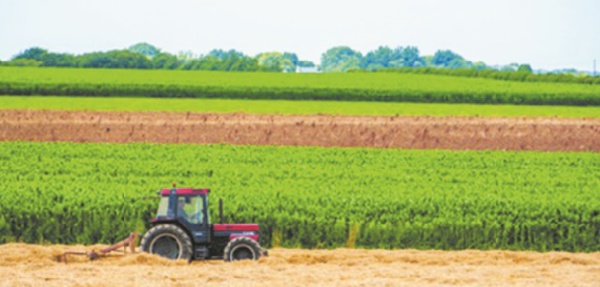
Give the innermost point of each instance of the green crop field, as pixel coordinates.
(309, 197)
(290, 107)
(389, 87)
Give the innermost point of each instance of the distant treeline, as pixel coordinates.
(146, 56)
(337, 59)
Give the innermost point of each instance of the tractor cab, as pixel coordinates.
(187, 207)
(183, 203)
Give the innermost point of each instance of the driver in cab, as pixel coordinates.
(181, 210)
(181, 213)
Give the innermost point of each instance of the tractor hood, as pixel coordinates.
(233, 231)
(235, 227)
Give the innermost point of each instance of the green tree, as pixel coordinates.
(226, 55)
(448, 59)
(411, 58)
(34, 53)
(165, 61)
(144, 49)
(381, 58)
(59, 60)
(233, 60)
(384, 57)
(340, 59)
(309, 64)
(115, 59)
(292, 57)
(525, 68)
(193, 64)
(276, 61)
(245, 63)
(209, 63)
(221, 60)
(37, 56)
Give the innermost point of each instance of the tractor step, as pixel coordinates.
(201, 252)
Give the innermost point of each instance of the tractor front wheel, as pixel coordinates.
(242, 248)
(169, 241)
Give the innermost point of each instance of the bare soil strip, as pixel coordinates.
(421, 132)
(35, 265)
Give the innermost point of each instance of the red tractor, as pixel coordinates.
(182, 230)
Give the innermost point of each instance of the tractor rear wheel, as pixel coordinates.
(169, 241)
(242, 248)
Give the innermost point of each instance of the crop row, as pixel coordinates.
(386, 87)
(290, 107)
(309, 197)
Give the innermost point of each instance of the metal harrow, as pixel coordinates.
(93, 255)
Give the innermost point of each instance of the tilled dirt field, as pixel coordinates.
(35, 265)
(422, 132)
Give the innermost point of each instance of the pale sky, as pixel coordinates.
(548, 34)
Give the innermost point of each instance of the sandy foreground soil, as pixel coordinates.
(421, 132)
(35, 265)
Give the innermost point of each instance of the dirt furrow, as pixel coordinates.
(422, 132)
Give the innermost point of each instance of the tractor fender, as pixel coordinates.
(251, 235)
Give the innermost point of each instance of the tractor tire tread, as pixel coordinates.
(186, 242)
(256, 249)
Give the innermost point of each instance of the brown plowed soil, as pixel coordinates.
(422, 132)
(35, 265)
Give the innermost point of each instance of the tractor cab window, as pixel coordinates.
(163, 208)
(190, 209)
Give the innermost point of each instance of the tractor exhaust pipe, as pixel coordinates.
(221, 210)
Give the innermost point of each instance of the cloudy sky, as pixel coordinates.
(548, 34)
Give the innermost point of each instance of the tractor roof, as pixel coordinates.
(185, 191)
